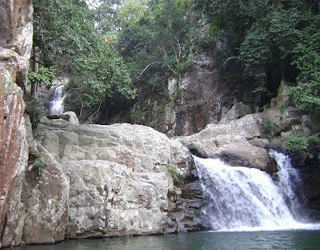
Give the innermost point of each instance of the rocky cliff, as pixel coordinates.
(15, 50)
(193, 100)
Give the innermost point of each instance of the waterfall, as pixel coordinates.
(290, 185)
(242, 199)
(57, 104)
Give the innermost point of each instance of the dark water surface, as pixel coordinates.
(294, 240)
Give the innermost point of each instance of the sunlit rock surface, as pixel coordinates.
(15, 49)
(118, 179)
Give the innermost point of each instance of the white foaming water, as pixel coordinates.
(244, 199)
(289, 183)
(57, 104)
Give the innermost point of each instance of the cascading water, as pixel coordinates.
(290, 185)
(242, 199)
(57, 104)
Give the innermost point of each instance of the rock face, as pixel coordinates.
(237, 111)
(241, 139)
(16, 38)
(15, 47)
(118, 182)
(13, 155)
(312, 192)
(193, 101)
(230, 142)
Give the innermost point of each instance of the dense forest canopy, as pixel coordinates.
(118, 50)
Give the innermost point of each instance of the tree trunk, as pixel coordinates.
(34, 85)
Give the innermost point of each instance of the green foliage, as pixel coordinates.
(66, 35)
(234, 60)
(156, 42)
(132, 10)
(306, 54)
(183, 66)
(282, 109)
(38, 160)
(175, 174)
(268, 127)
(273, 41)
(307, 97)
(266, 42)
(44, 76)
(137, 115)
(255, 53)
(298, 142)
(106, 16)
(63, 30)
(106, 76)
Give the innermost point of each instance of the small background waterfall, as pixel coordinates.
(242, 199)
(57, 104)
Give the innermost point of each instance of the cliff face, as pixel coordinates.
(193, 101)
(15, 50)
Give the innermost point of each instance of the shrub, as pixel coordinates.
(309, 146)
(175, 174)
(268, 127)
(38, 160)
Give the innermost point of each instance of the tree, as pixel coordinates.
(155, 42)
(269, 41)
(262, 39)
(106, 76)
(132, 10)
(63, 31)
(66, 37)
(306, 57)
(106, 16)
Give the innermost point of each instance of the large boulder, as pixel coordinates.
(108, 199)
(243, 139)
(282, 100)
(312, 191)
(119, 179)
(238, 110)
(231, 143)
(138, 147)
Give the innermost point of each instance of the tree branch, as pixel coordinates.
(166, 55)
(145, 69)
